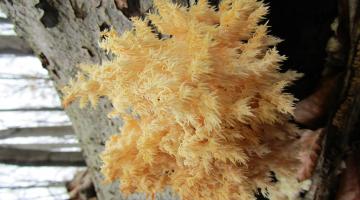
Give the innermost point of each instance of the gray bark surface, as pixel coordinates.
(64, 34)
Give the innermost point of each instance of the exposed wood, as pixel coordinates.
(54, 131)
(10, 44)
(40, 158)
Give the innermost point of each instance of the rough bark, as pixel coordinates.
(64, 34)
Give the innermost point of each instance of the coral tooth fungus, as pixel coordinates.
(209, 115)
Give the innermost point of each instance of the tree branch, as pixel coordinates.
(31, 109)
(10, 44)
(4, 20)
(54, 131)
(40, 158)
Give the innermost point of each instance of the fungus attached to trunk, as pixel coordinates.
(208, 112)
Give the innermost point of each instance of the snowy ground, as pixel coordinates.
(25, 84)
(17, 182)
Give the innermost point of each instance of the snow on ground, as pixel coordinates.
(24, 182)
(21, 93)
(20, 182)
(29, 183)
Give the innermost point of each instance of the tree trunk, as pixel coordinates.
(64, 34)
